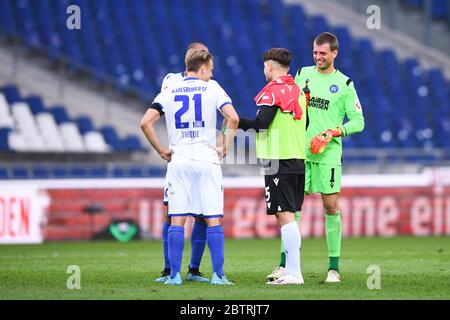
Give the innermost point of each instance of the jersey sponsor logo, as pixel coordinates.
(320, 103)
(334, 88)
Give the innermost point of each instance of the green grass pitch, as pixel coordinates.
(411, 268)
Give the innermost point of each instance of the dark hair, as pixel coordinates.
(196, 58)
(327, 37)
(280, 55)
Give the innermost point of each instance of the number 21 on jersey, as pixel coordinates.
(184, 99)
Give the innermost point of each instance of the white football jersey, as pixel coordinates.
(190, 107)
(170, 79)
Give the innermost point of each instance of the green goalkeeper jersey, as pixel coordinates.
(332, 97)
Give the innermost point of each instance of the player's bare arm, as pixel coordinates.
(147, 126)
(230, 123)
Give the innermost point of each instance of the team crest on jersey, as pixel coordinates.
(334, 88)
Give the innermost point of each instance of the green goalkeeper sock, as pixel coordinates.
(282, 254)
(333, 234)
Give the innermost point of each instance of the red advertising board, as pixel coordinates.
(23, 214)
(416, 205)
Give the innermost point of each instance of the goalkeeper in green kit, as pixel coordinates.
(332, 96)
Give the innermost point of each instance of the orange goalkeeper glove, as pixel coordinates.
(320, 141)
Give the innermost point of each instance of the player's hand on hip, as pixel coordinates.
(221, 151)
(166, 154)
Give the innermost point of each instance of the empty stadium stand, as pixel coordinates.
(135, 43)
(28, 126)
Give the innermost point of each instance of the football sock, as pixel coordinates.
(176, 245)
(282, 254)
(333, 235)
(292, 242)
(215, 238)
(165, 231)
(198, 242)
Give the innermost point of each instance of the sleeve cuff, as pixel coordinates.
(158, 107)
(224, 104)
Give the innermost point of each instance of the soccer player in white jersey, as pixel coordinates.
(198, 238)
(194, 176)
(171, 78)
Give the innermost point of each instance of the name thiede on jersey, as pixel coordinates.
(190, 134)
(320, 103)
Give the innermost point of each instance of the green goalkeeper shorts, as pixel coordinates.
(322, 178)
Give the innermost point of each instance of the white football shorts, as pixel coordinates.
(194, 188)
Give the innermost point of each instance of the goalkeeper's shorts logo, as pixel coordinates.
(334, 88)
(332, 178)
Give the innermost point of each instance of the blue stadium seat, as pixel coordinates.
(98, 172)
(11, 93)
(84, 124)
(132, 143)
(35, 104)
(440, 9)
(60, 114)
(4, 133)
(118, 172)
(135, 172)
(112, 138)
(59, 172)
(20, 172)
(26, 24)
(7, 21)
(155, 171)
(78, 172)
(136, 43)
(40, 172)
(4, 173)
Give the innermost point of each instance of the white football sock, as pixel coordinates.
(292, 242)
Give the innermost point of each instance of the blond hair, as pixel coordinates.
(196, 58)
(197, 45)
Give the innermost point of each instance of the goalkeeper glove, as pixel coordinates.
(320, 141)
(333, 132)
